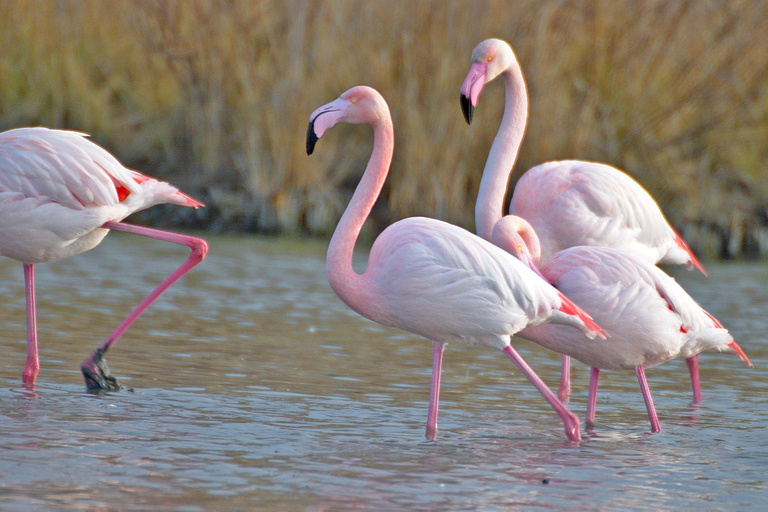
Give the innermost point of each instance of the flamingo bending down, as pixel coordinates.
(430, 277)
(650, 317)
(567, 202)
(60, 194)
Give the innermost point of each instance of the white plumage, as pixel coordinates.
(57, 188)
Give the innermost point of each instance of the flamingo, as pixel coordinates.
(60, 194)
(429, 277)
(649, 315)
(568, 202)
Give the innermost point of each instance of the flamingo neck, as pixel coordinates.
(501, 159)
(343, 279)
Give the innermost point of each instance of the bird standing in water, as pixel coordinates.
(60, 194)
(650, 317)
(569, 202)
(431, 278)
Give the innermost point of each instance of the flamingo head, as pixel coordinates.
(489, 59)
(358, 105)
(516, 236)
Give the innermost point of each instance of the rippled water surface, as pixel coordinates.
(256, 388)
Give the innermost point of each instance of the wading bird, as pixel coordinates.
(569, 202)
(60, 194)
(432, 278)
(649, 315)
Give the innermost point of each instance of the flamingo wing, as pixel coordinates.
(473, 290)
(571, 203)
(63, 167)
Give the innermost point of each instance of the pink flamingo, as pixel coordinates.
(568, 202)
(60, 194)
(650, 317)
(432, 278)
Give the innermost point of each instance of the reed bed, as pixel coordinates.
(215, 96)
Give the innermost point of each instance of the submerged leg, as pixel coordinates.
(95, 371)
(570, 421)
(32, 366)
(693, 368)
(564, 393)
(594, 377)
(655, 427)
(434, 390)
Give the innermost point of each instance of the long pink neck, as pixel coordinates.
(501, 159)
(341, 276)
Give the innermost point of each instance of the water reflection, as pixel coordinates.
(256, 388)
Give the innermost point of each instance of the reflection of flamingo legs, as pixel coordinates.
(94, 368)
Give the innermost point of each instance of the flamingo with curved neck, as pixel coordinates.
(650, 317)
(569, 202)
(431, 278)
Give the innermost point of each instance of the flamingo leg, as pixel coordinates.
(594, 378)
(655, 427)
(434, 390)
(32, 367)
(693, 368)
(570, 421)
(564, 393)
(95, 371)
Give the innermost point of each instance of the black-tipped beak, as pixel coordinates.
(311, 138)
(466, 108)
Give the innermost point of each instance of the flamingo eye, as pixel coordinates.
(519, 248)
(353, 100)
(490, 59)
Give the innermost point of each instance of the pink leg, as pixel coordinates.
(564, 393)
(95, 371)
(655, 427)
(570, 421)
(594, 377)
(31, 369)
(434, 390)
(693, 368)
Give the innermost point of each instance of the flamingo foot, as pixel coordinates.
(96, 373)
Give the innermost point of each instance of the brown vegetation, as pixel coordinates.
(215, 95)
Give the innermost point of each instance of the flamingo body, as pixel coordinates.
(650, 316)
(572, 202)
(57, 188)
(60, 194)
(442, 282)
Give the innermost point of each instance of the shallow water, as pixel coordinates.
(256, 388)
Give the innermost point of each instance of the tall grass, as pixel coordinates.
(215, 95)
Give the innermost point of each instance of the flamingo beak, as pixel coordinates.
(311, 138)
(322, 119)
(466, 108)
(470, 89)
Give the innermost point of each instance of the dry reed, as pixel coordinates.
(214, 96)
